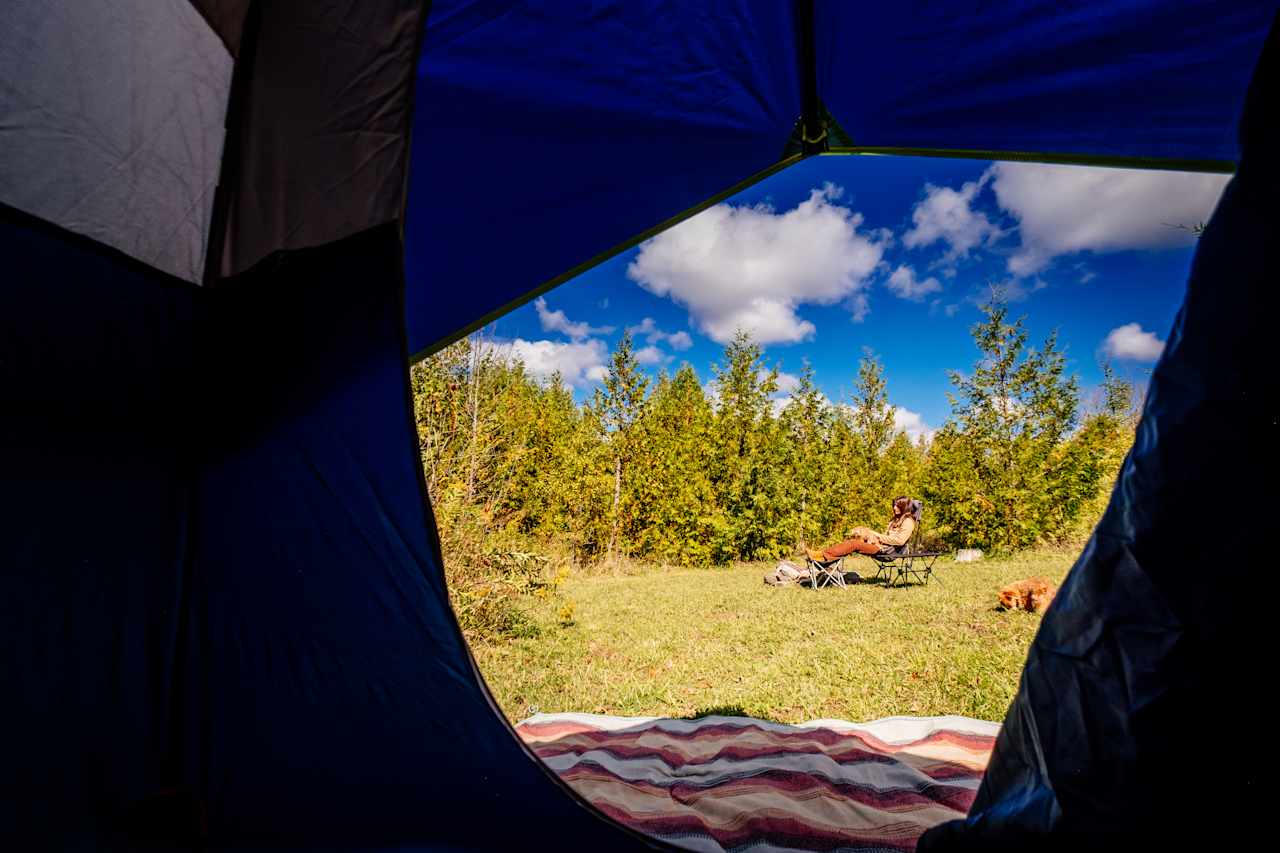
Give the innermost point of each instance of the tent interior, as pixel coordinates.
(229, 226)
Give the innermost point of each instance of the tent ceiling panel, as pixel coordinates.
(111, 122)
(321, 136)
(1140, 78)
(560, 135)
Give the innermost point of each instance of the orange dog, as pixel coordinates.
(1033, 594)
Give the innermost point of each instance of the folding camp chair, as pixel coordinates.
(825, 574)
(907, 561)
(901, 564)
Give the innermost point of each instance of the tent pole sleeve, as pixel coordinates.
(1225, 167)
(813, 125)
(240, 78)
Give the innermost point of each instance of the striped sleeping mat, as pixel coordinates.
(734, 783)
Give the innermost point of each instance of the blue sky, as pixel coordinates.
(838, 254)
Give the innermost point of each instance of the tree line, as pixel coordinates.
(666, 470)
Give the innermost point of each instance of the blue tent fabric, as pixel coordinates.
(523, 115)
(224, 602)
(223, 616)
(545, 136)
(1131, 78)
(323, 661)
(96, 457)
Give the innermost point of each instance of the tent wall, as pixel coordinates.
(1154, 643)
(97, 445)
(1133, 78)
(321, 125)
(111, 122)
(224, 609)
(547, 135)
(330, 698)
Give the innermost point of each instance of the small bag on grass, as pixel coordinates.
(785, 574)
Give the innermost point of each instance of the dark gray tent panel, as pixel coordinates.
(111, 123)
(322, 133)
(224, 616)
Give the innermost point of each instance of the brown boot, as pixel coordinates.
(816, 555)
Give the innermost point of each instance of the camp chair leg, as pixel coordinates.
(928, 571)
(827, 574)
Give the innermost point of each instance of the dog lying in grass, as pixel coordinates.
(1032, 595)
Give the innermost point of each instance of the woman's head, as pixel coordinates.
(901, 506)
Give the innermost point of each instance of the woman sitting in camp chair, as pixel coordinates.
(864, 540)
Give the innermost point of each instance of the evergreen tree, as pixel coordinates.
(679, 477)
(998, 472)
(872, 415)
(624, 390)
(807, 422)
(1097, 451)
(748, 470)
(677, 518)
(872, 429)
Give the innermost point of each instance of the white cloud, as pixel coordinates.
(859, 306)
(556, 321)
(580, 363)
(912, 423)
(949, 309)
(905, 285)
(787, 382)
(779, 401)
(649, 330)
(1066, 209)
(651, 355)
(751, 268)
(948, 215)
(679, 340)
(1132, 343)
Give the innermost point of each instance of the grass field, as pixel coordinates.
(683, 642)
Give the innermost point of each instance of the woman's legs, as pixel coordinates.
(864, 541)
(855, 543)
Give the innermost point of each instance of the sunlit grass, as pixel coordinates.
(676, 642)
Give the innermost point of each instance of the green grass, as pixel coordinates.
(680, 642)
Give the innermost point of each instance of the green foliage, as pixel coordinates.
(665, 472)
(1009, 469)
(620, 407)
(675, 515)
(746, 455)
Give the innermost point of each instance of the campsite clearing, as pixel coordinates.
(686, 642)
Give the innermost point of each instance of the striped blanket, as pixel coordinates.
(733, 783)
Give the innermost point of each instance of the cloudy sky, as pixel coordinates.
(838, 254)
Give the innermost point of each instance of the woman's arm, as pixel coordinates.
(898, 537)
